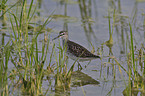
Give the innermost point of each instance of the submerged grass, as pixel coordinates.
(63, 76)
(29, 60)
(136, 79)
(25, 56)
(4, 56)
(135, 70)
(135, 62)
(4, 59)
(31, 82)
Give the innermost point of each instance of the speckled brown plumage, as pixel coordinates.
(79, 51)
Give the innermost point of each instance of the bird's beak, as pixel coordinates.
(56, 37)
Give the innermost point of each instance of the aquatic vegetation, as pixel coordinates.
(31, 64)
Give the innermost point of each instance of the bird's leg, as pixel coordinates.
(79, 67)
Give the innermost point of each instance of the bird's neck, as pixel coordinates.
(64, 40)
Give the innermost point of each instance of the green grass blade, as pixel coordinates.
(30, 9)
(132, 48)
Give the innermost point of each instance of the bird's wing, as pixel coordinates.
(78, 50)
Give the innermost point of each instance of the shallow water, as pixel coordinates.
(87, 24)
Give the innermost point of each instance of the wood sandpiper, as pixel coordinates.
(74, 50)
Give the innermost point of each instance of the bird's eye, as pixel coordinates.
(62, 34)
